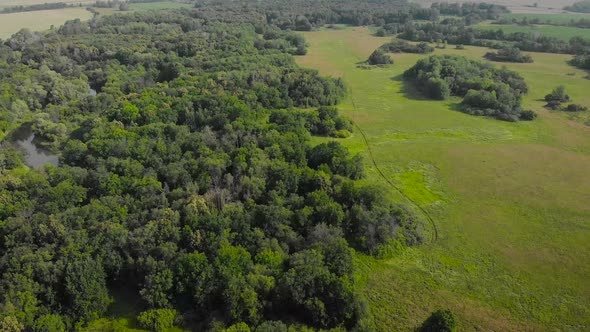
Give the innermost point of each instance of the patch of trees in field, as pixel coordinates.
(509, 54)
(379, 57)
(558, 97)
(188, 179)
(579, 7)
(402, 46)
(485, 89)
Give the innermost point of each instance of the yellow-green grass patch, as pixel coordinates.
(39, 20)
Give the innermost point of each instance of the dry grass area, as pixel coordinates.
(39, 20)
(13, 3)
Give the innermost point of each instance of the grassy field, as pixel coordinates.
(561, 32)
(510, 200)
(39, 20)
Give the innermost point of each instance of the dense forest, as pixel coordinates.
(485, 90)
(188, 179)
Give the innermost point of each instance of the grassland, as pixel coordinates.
(39, 20)
(510, 200)
(561, 32)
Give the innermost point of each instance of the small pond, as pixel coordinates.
(35, 155)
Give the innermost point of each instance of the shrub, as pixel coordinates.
(157, 319)
(440, 321)
(575, 108)
(528, 115)
(379, 57)
(558, 95)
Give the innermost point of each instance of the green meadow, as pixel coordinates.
(509, 200)
(561, 32)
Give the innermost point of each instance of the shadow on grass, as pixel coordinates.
(409, 89)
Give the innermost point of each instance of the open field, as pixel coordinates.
(39, 20)
(561, 32)
(510, 200)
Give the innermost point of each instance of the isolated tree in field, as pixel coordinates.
(558, 95)
(379, 57)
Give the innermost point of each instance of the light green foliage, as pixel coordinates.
(49, 323)
(157, 320)
(85, 285)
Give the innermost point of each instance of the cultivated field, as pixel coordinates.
(39, 20)
(509, 200)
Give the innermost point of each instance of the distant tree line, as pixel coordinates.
(31, 8)
(583, 23)
(457, 32)
(485, 90)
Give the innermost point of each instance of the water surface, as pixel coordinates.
(35, 155)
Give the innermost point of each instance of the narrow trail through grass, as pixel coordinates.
(509, 200)
(393, 185)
